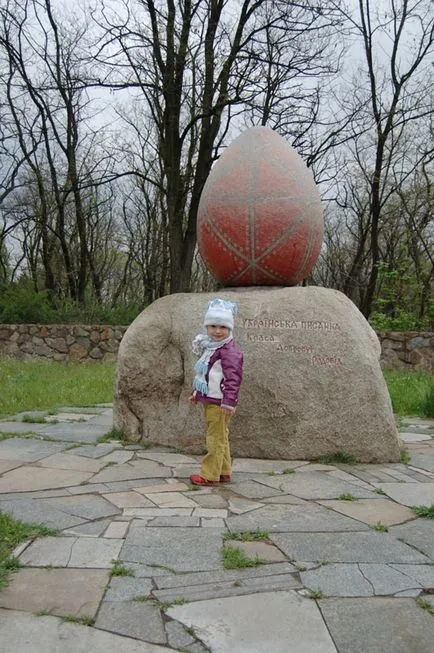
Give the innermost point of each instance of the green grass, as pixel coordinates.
(424, 511)
(379, 527)
(411, 392)
(340, 457)
(234, 558)
(347, 496)
(114, 434)
(47, 385)
(246, 536)
(12, 533)
(119, 570)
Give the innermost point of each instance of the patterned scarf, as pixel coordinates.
(205, 347)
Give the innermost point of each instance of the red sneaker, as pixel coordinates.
(198, 480)
(225, 479)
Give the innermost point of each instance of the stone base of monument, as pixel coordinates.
(312, 385)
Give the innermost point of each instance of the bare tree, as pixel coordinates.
(397, 40)
(196, 63)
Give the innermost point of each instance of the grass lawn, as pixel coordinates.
(47, 385)
(412, 393)
(40, 385)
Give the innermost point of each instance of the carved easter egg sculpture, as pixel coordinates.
(260, 218)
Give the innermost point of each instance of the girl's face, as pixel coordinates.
(217, 332)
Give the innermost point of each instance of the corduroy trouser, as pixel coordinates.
(217, 461)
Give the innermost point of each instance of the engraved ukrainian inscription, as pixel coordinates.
(265, 325)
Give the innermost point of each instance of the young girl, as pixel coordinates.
(219, 372)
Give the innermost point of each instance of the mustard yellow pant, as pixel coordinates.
(217, 461)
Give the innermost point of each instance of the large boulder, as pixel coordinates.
(312, 385)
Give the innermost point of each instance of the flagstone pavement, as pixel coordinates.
(341, 563)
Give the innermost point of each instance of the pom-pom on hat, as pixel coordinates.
(221, 312)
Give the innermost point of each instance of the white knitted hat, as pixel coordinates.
(220, 312)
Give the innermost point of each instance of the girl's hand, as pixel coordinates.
(226, 411)
(192, 400)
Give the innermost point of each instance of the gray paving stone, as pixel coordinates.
(372, 511)
(422, 574)
(63, 592)
(258, 623)
(88, 506)
(229, 588)
(89, 529)
(71, 552)
(127, 588)
(66, 460)
(33, 511)
(177, 636)
(209, 500)
(260, 550)
(346, 547)
(141, 469)
(7, 465)
(181, 522)
(390, 579)
(27, 450)
(317, 485)
(417, 533)
(414, 437)
(254, 490)
(38, 478)
(293, 518)
(223, 575)
(410, 494)
(94, 451)
(85, 432)
(138, 620)
(425, 461)
(30, 634)
(383, 625)
(175, 548)
(21, 427)
(337, 580)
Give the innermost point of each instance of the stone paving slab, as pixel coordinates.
(414, 437)
(27, 450)
(317, 485)
(257, 550)
(418, 533)
(346, 547)
(293, 518)
(35, 512)
(372, 511)
(62, 592)
(26, 633)
(66, 460)
(88, 506)
(139, 620)
(94, 450)
(21, 427)
(224, 589)
(75, 432)
(410, 494)
(38, 478)
(141, 469)
(258, 465)
(175, 548)
(243, 624)
(7, 465)
(128, 500)
(71, 552)
(425, 461)
(386, 625)
(170, 580)
(127, 589)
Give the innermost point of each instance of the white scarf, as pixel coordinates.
(204, 346)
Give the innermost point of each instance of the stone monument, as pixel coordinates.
(312, 385)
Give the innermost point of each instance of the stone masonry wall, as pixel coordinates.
(61, 342)
(72, 342)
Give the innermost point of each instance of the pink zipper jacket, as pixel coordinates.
(224, 376)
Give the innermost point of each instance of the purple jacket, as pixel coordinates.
(224, 376)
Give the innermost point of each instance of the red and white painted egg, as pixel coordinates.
(260, 220)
